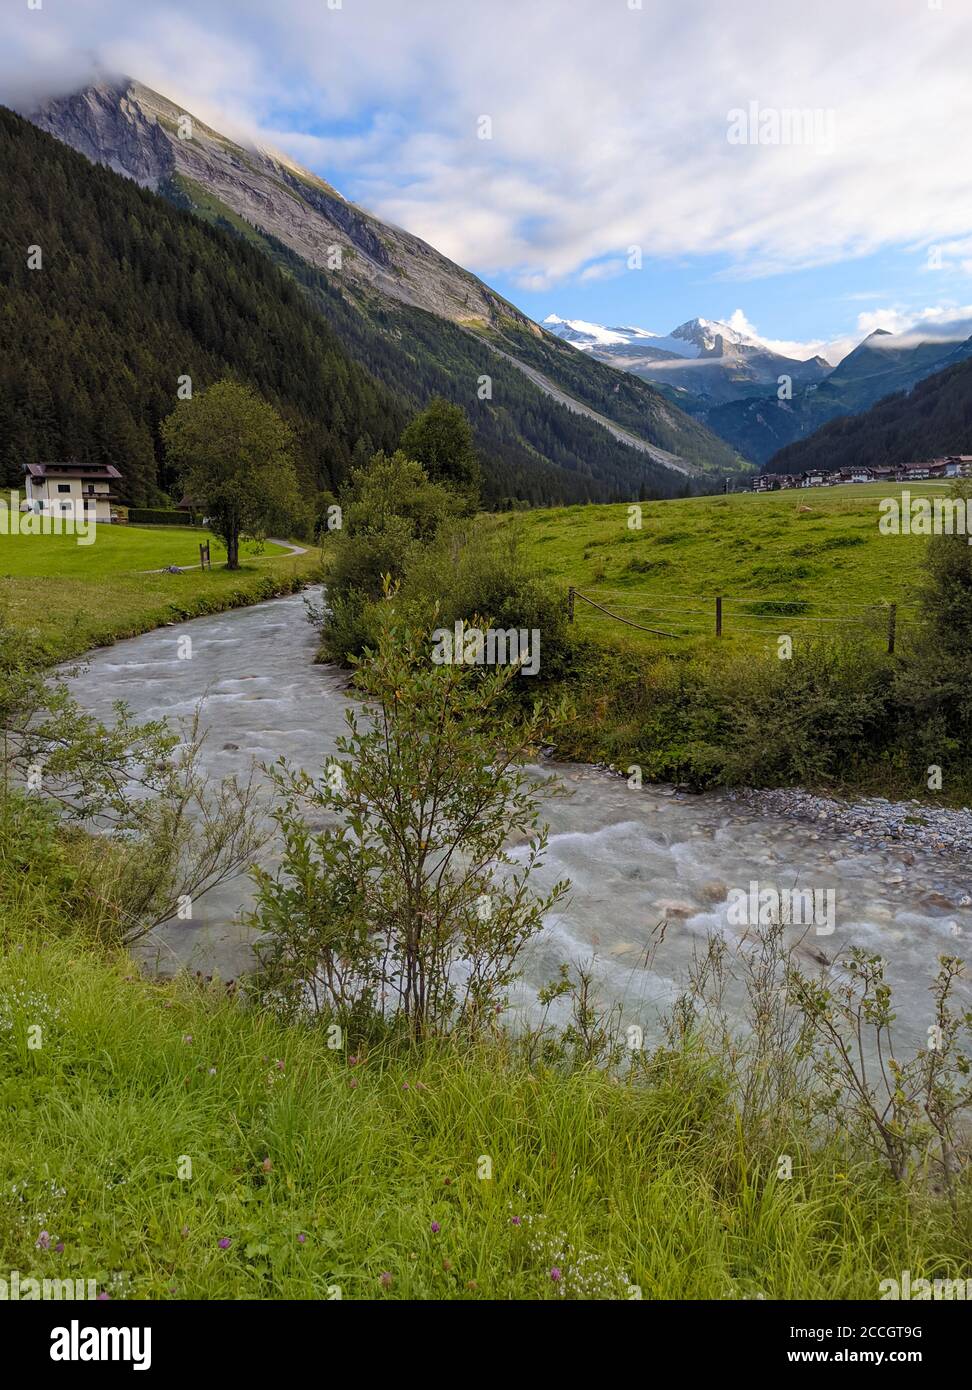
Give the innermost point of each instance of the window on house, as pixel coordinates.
(64, 487)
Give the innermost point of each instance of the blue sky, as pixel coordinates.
(802, 172)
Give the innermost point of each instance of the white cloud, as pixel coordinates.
(609, 125)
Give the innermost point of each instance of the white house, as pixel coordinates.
(68, 487)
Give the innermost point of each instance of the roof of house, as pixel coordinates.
(72, 469)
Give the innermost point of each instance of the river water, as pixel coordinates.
(634, 857)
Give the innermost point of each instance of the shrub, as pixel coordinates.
(410, 910)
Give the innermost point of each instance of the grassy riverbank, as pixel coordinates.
(814, 557)
(319, 1173)
(68, 598)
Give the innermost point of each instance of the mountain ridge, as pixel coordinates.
(386, 273)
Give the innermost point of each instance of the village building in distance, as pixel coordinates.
(65, 488)
(952, 466)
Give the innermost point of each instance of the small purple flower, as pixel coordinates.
(435, 1228)
(43, 1241)
(225, 1243)
(301, 1238)
(516, 1220)
(404, 1085)
(59, 1247)
(187, 1037)
(280, 1065)
(385, 1280)
(352, 1061)
(103, 1297)
(556, 1275)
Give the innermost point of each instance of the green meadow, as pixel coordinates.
(815, 556)
(72, 597)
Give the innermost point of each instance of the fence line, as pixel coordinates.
(873, 615)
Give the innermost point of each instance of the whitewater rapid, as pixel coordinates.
(635, 858)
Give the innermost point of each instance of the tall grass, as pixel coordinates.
(614, 1182)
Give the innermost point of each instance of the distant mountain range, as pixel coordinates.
(703, 363)
(418, 321)
(736, 379)
(932, 419)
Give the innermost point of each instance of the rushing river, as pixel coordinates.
(633, 857)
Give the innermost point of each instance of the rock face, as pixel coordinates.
(143, 135)
(379, 269)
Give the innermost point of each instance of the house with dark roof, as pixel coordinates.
(67, 488)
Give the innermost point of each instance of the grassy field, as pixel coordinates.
(163, 1134)
(71, 597)
(814, 556)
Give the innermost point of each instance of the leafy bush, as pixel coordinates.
(410, 910)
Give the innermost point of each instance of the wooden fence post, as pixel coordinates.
(570, 604)
(719, 616)
(892, 626)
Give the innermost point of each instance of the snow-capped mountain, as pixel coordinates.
(703, 362)
(386, 273)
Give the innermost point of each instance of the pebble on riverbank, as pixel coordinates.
(877, 822)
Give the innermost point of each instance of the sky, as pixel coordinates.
(801, 171)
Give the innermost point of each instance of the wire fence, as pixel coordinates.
(680, 615)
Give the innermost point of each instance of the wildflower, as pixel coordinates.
(103, 1297)
(385, 1280)
(556, 1275)
(353, 1082)
(267, 1164)
(185, 1230)
(471, 1284)
(447, 1265)
(301, 1238)
(212, 1071)
(404, 1085)
(43, 1241)
(59, 1247)
(187, 1037)
(435, 1228)
(353, 1061)
(280, 1065)
(225, 1243)
(516, 1220)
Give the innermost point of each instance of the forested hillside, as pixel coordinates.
(933, 419)
(133, 293)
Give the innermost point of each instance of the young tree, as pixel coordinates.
(165, 832)
(440, 438)
(234, 456)
(411, 907)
